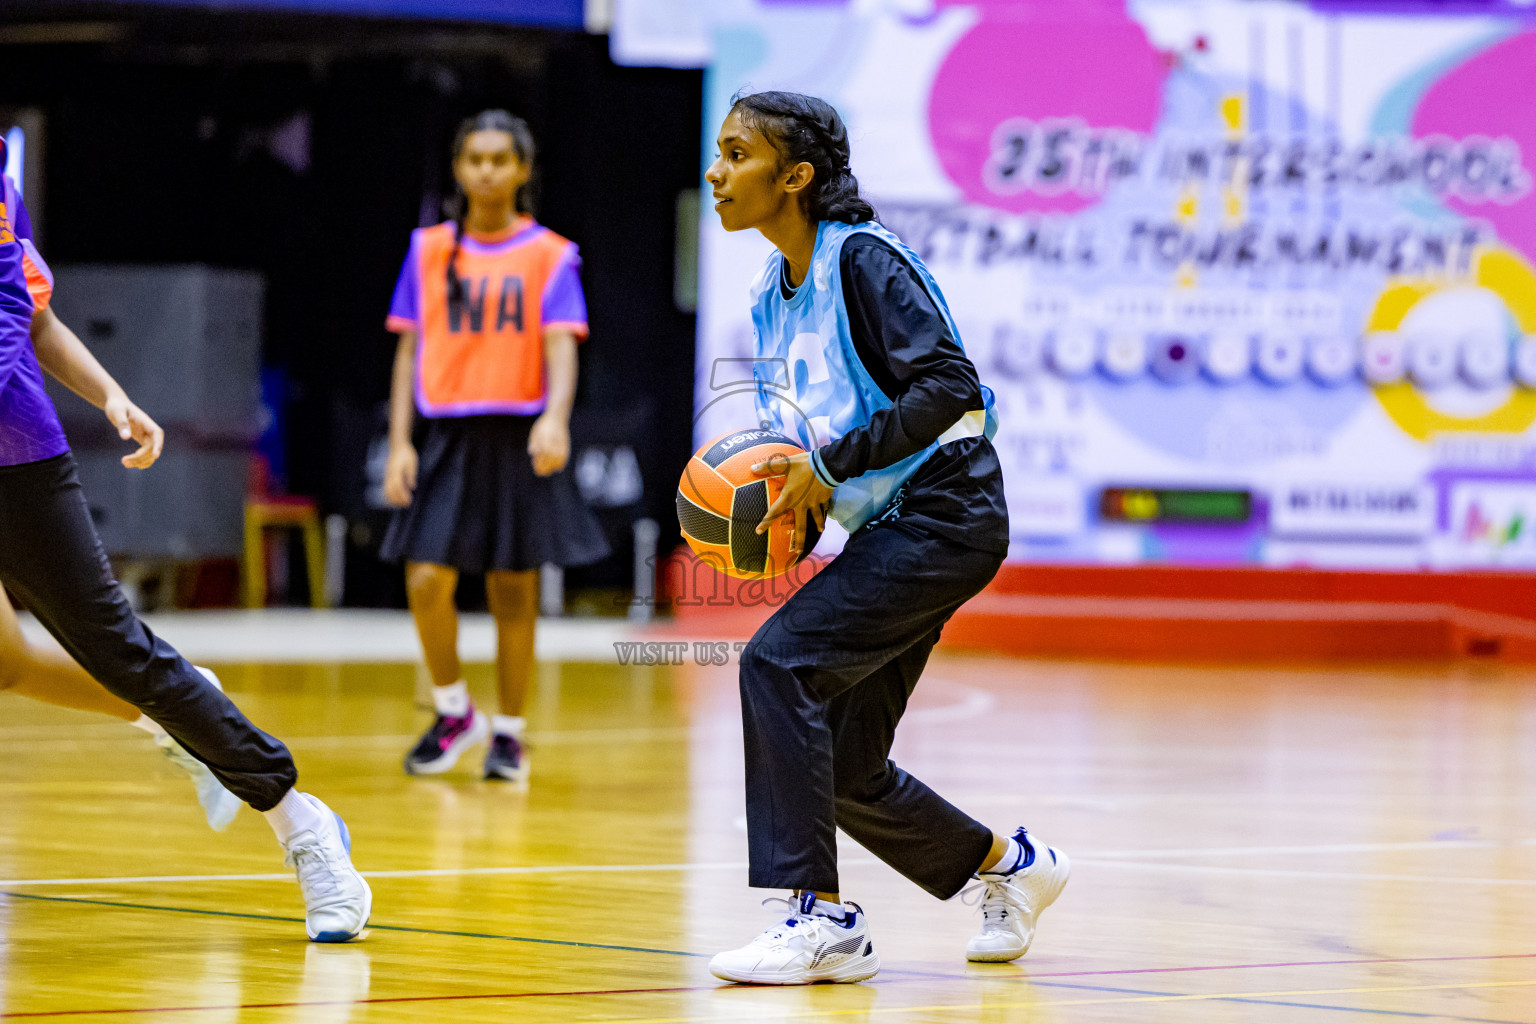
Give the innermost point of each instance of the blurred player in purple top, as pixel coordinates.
(51, 558)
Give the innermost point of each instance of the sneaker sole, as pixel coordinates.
(477, 733)
(339, 936)
(1002, 956)
(861, 969)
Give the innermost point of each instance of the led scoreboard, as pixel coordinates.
(1161, 505)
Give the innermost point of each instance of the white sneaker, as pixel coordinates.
(1011, 904)
(219, 805)
(337, 901)
(806, 947)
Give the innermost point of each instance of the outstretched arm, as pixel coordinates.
(68, 361)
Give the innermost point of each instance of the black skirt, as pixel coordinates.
(479, 505)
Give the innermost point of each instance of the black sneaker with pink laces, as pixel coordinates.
(441, 746)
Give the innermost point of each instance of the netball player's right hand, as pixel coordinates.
(400, 475)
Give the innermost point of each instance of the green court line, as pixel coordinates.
(371, 927)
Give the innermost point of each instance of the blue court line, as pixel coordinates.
(674, 952)
(1279, 1002)
(371, 927)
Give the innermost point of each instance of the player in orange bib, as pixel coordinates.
(489, 310)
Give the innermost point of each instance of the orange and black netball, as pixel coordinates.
(720, 502)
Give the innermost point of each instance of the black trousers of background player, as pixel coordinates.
(51, 558)
(823, 684)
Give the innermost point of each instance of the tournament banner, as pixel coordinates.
(1252, 281)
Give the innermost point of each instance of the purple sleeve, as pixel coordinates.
(13, 343)
(564, 304)
(405, 307)
(34, 269)
(23, 219)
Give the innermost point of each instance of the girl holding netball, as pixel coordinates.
(51, 558)
(904, 461)
(489, 309)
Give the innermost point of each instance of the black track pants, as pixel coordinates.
(823, 684)
(51, 558)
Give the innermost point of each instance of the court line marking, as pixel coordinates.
(1261, 851)
(1108, 859)
(526, 869)
(1263, 997)
(1257, 1002)
(355, 1002)
(372, 927)
(1355, 876)
(1255, 997)
(1374, 1011)
(1025, 979)
(673, 952)
(775, 1012)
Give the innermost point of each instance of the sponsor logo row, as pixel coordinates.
(1492, 515)
(1429, 360)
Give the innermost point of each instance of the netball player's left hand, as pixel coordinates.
(802, 494)
(549, 444)
(133, 424)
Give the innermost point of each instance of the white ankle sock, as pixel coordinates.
(1011, 860)
(149, 725)
(292, 815)
(452, 701)
(833, 910)
(508, 725)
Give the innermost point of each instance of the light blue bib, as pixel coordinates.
(811, 384)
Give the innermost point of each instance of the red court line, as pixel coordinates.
(1298, 963)
(1217, 967)
(706, 988)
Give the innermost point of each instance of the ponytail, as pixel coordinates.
(455, 282)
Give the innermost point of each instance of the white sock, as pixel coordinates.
(451, 701)
(508, 725)
(292, 815)
(1010, 861)
(149, 725)
(833, 910)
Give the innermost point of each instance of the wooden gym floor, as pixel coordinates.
(1270, 845)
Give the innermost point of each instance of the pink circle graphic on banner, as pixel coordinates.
(1490, 96)
(1025, 69)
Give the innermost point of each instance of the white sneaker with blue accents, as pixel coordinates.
(1011, 903)
(219, 805)
(808, 946)
(337, 901)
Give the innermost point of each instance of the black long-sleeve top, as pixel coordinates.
(912, 355)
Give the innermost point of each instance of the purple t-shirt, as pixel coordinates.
(29, 427)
